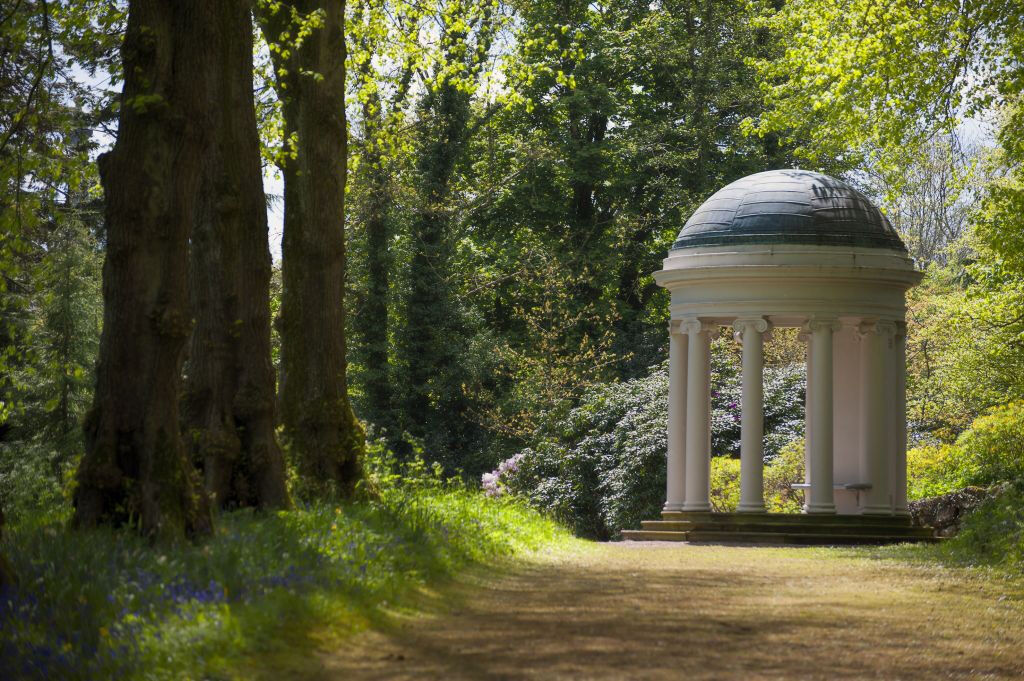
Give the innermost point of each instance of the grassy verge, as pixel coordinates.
(991, 540)
(105, 604)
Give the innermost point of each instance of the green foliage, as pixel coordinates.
(858, 76)
(105, 604)
(600, 467)
(779, 475)
(990, 451)
(936, 469)
(992, 535)
(51, 378)
(725, 484)
(50, 238)
(995, 445)
(521, 213)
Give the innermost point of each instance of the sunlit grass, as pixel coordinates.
(991, 540)
(106, 604)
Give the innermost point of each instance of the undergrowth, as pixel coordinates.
(105, 604)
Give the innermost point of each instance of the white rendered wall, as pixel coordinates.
(846, 468)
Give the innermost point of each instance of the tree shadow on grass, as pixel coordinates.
(634, 620)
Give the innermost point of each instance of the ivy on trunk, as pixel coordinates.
(326, 441)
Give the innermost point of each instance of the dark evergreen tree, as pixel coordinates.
(433, 340)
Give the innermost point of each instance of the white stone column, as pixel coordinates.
(899, 458)
(698, 414)
(675, 483)
(820, 498)
(805, 337)
(750, 333)
(876, 412)
(899, 478)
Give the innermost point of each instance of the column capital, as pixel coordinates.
(817, 324)
(901, 329)
(883, 327)
(675, 327)
(743, 324)
(694, 325)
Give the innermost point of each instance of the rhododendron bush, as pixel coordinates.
(600, 468)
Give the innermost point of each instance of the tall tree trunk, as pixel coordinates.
(7, 576)
(229, 386)
(320, 429)
(135, 468)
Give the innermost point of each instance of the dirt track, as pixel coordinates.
(656, 611)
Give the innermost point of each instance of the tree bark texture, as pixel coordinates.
(320, 429)
(7, 576)
(228, 407)
(135, 469)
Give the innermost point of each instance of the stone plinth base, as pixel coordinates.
(779, 528)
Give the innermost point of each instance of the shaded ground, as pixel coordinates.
(657, 611)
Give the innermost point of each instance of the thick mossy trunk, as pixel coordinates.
(7, 576)
(135, 469)
(228, 410)
(320, 429)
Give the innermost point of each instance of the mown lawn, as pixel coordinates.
(667, 611)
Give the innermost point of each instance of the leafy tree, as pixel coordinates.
(64, 336)
(50, 243)
(307, 44)
(621, 118)
(858, 77)
(28, 108)
(383, 62)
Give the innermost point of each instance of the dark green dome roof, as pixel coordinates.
(788, 207)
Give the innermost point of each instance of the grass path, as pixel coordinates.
(656, 611)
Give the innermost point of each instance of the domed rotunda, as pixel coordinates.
(793, 248)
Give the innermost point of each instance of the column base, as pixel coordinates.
(820, 508)
(700, 506)
(903, 512)
(673, 506)
(750, 508)
(877, 510)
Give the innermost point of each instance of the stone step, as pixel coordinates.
(667, 525)
(786, 518)
(772, 538)
(784, 528)
(814, 539)
(650, 535)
